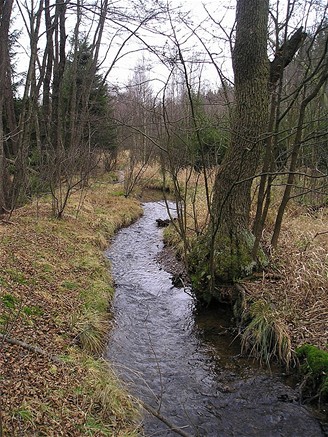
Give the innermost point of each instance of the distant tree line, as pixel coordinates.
(56, 120)
(264, 127)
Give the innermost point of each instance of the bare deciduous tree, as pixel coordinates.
(5, 14)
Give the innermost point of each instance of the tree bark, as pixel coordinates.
(5, 13)
(49, 61)
(58, 73)
(227, 254)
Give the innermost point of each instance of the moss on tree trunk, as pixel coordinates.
(231, 260)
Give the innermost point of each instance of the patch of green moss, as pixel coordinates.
(315, 367)
(232, 261)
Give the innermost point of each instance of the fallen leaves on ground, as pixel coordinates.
(47, 268)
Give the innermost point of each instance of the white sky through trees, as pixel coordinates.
(160, 36)
(200, 29)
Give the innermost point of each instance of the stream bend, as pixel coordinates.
(185, 365)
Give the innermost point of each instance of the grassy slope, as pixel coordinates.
(55, 290)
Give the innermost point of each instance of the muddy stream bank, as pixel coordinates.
(186, 364)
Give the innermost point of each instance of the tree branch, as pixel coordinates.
(155, 413)
(35, 349)
(285, 54)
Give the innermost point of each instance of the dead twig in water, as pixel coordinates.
(163, 419)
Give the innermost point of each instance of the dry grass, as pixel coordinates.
(296, 295)
(192, 192)
(55, 289)
(110, 402)
(298, 290)
(303, 262)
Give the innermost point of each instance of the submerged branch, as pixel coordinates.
(163, 419)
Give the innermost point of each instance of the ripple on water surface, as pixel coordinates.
(184, 364)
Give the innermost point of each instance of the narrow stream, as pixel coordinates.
(185, 364)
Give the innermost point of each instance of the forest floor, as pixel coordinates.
(55, 289)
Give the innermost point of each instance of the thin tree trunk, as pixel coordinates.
(10, 113)
(5, 13)
(58, 73)
(267, 162)
(49, 62)
(283, 57)
(28, 112)
(294, 156)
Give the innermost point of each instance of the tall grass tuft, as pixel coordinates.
(266, 337)
(92, 333)
(111, 402)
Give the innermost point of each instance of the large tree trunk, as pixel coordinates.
(227, 252)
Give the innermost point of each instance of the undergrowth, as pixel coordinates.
(55, 292)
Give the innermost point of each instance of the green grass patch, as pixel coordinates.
(112, 403)
(3, 282)
(95, 427)
(33, 310)
(118, 193)
(9, 301)
(92, 330)
(69, 285)
(16, 276)
(25, 414)
(47, 268)
(90, 265)
(100, 300)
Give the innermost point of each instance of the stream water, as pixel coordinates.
(183, 363)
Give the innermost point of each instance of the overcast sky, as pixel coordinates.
(209, 32)
(209, 24)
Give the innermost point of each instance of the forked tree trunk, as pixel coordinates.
(227, 252)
